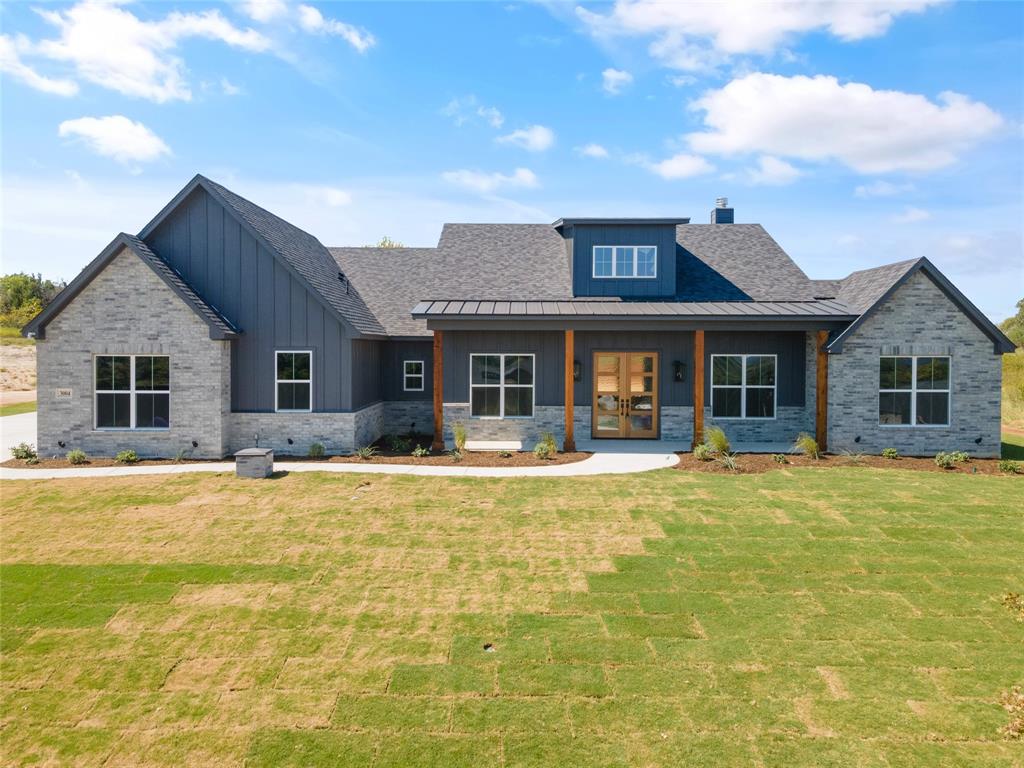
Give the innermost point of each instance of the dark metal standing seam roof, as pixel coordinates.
(661, 309)
(306, 255)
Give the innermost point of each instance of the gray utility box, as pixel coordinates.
(254, 462)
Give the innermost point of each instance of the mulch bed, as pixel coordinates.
(755, 463)
(469, 459)
(62, 463)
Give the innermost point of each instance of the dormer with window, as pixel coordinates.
(626, 258)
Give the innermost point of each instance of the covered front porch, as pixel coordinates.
(640, 381)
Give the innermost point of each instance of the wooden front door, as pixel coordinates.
(625, 397)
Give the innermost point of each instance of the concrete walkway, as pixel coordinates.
(14, 430)
(611, 457)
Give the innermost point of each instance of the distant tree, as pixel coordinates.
(23, 296)
(1014, 326)
(387, 242)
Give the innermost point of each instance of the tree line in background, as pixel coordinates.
(1013, 327)
(23, 296)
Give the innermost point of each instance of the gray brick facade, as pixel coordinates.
(127, 310)
(918, 319)
(339, 433)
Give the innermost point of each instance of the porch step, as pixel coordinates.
(494, 445)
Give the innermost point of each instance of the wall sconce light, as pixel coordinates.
(195, 443)
(678, 370)
(577, 370)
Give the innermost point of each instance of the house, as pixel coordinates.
(221, 326)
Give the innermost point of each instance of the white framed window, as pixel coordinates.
(743, 386)
(132, 392)
(501, 386)
(293, 380)
(913, 390)
(412, 376)
(625, 261)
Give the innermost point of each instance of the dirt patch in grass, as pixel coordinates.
(469, 459)
(756, 463)
(17, 367)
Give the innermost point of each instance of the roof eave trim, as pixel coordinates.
(1000, 343)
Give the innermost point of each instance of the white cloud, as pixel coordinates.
(264, 11)
(117, 137)
(680, 81)
(614, 80)
(228, 88)
(534, 138)
(11, 63)
(312, 21)
(111, 47)
(693, 36)
(911, 215)
(771, 171)
(680, 166)
(479, 181)
(881, 189)
(592, 150)
(817, 118)
(329, 196)
(467, 109)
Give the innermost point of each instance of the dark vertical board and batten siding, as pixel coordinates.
(230, 270)
(669, 346)
(789, 346)
(547, 346)
(585, 237)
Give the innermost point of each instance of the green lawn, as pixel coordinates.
(847, 617)
(16, 408)
(1013, 446)
(10, 335)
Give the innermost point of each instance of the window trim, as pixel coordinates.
(294, 381)
(405, 376)
(913, 391)
(502, 385)
(742, 387)
(613, 275)
(131, 392)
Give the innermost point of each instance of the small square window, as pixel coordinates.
(294, 382)
(412, 376)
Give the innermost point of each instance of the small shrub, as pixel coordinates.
(780, 458)
(456, 455)
(944, 460)
(548, 439)
(366, 452)
(703, 452)
(807, 445)
(419, 451)
(24, 451)
(459, 433)
(180, 455)
(399, 444)
(890, 453)
(126, 457)
(1010, 467)
(505, 454)
(960, 457)
(76, 456)
(542, 451)
(728, 460)
(34, 460)
(716, 440)
(853, 458)
(317, 450)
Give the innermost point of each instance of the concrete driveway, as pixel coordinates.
(14, 430)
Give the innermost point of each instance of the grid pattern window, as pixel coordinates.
(294, 381)
(412, 377)
(625, 261)
(501, 386)
(913, 390)
(133, 392)
(743, 386)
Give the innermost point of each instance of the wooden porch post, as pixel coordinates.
(821, 395)
(438, 444)
(698, 387)
(570, 438)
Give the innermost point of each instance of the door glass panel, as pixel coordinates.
(608, 423)
(639, 422)
(608, 403)
(608, 364)
(642, 364)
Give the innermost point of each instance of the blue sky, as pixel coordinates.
(857, 134)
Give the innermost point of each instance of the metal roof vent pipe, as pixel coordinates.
(722, 214)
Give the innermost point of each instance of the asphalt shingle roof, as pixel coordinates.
(307, 256)
(860, 290)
